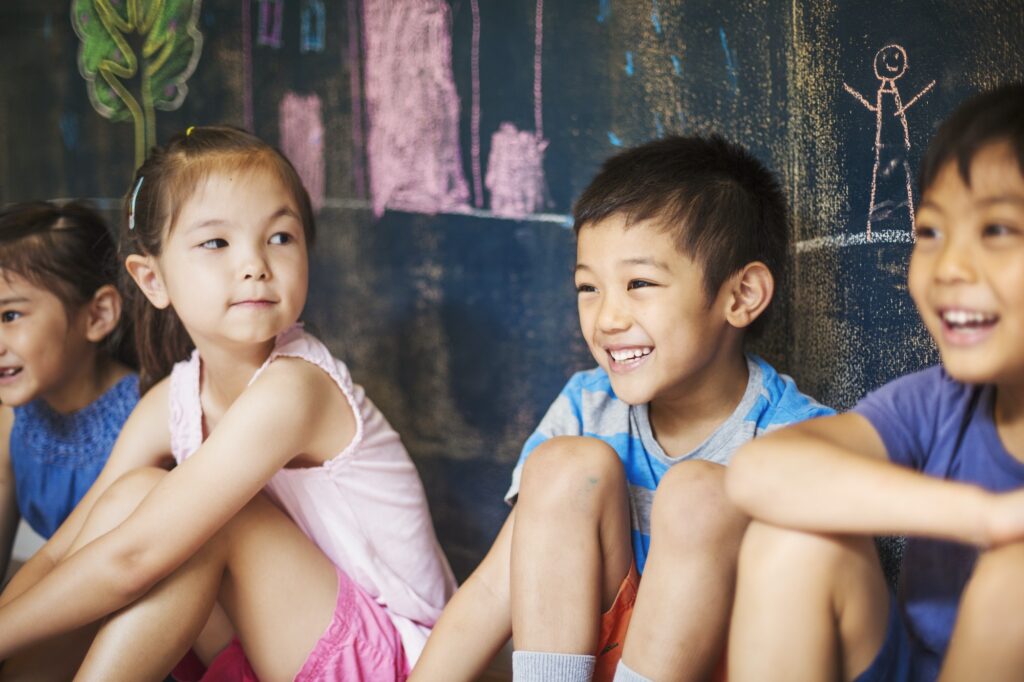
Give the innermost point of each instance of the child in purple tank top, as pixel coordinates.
(937, 456)
(292, 536)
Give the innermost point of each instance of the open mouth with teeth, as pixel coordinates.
(967, 325)
(8, 372)
(628, 358)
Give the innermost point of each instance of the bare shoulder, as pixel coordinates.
(6, 424)
(308, 398)
(299, 382)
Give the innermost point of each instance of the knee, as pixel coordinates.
(995, 594)
(692, 510)
(125, 494)
(571, 469)
(776, 551)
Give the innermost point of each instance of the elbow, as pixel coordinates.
(743, 479)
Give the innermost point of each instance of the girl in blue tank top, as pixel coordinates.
(67, 382)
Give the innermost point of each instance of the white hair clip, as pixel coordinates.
(131, 206)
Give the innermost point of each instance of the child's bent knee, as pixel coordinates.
(695, 491)
(125, 494)
(563, 464)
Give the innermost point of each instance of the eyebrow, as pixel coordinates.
(220, 222)
(1002, 199)
(653, 262)
(13, 299)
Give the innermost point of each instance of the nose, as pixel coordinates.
(613, 315)
(955, 263)
(255, 265)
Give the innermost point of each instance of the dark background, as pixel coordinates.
(461, 324)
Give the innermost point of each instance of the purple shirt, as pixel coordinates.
(943, 428)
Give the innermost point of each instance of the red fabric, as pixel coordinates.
(230, 665)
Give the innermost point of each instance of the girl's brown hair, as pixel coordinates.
(161, 186)
(68, 250)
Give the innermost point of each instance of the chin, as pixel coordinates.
(632, 395)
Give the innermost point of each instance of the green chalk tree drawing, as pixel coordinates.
(145, 47)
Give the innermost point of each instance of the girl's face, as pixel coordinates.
(234, 266)
(42, 351)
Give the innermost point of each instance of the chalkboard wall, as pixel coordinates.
(444, 143)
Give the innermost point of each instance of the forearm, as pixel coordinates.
(802, 482)
(28, 575)
(91, 584)
(474, 626)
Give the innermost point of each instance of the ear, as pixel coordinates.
(146, 273)
(103, 313)
(750, 292)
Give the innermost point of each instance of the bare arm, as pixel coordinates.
(9, 515)
(833, 474)
(476, 622)
(272, 422)
(144, 441)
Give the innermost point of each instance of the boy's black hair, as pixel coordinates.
(993, 116)
(722, 206)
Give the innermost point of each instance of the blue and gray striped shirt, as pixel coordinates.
(587, 406)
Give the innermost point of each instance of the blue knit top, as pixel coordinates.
(56, 457)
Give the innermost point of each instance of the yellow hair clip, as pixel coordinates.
(188, 131)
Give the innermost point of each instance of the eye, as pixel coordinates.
(215, 243)
(282, 238)
(924, 233)
(998, 230)
(9, 316)
(585, 288)
(639, 284)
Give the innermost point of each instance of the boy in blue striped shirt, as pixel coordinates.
(680, 244)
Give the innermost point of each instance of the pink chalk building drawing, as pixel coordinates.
(302, 141)
(412, 108)
(891, 173)
(515, 166)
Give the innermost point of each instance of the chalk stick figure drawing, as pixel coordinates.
(891, 148)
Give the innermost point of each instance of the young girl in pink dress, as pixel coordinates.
(293, 507)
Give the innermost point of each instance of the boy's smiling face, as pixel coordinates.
(645, 314)
(967, 268)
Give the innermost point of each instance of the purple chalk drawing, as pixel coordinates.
(355, 75)
(302, 141)
(271, 21)
(515, 167)
(515, 172)
(474, 150)
(415, 161)
(247, 109)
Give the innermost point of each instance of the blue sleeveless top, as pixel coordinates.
(56, 457)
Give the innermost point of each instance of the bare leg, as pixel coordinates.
(39, 662)
(988, 639)
(264, 571)
(476, 622)
(571, 545)
(808, 607)
(681, 617)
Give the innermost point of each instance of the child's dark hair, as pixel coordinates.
(723, 208)
(991, 117)
(161, 187)
(68, 250)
